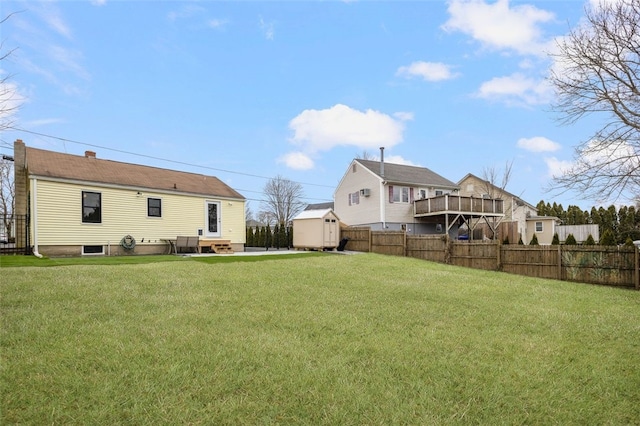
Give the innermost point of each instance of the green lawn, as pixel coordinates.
(320, 339)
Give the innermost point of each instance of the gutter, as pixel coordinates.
(34, 189)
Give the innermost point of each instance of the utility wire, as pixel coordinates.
(156, 158)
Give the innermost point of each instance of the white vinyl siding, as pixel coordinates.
(367, 210)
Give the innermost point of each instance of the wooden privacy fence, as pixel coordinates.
(606, 265)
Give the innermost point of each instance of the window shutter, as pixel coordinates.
(349, 198)
(391, 193)
(411, 195)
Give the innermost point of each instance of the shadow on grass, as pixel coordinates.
(25, 261)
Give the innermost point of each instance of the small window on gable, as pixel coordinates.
(538, 226)
(154, 207)
(353, 168)
(354, 198)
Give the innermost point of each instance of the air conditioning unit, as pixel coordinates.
(365, 192)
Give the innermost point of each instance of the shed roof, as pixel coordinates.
(413, 175)
(314, 214)
(49, 164)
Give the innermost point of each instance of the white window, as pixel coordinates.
(354, 198)
(538, 226)
(438, 192)
(422, 194)
(400, 194)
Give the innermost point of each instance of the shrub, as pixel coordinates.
(534, 241)
(589, 241)
(628, 242)
(571, 240)
(556, 240)
(607, 239)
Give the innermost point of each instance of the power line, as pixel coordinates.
(156, 158)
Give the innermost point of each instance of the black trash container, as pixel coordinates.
(343, 243)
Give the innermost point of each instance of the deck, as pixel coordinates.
(456, 204)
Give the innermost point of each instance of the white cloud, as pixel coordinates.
(608, 159)
(340, 125)
(186, 11)
(516, 89)
(268, 28)
(322, 130)
(217, 23)
(403, 116)
(297, 161)
(428, 71)
(398, 159)
(556, 167)
(538, 144)
(50, 14)
(499, 26)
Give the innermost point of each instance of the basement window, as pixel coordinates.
(92, 250)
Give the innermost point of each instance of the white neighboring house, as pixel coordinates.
(387, 196)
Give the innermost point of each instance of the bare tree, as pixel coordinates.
(597, 70)
(9, 96)
(365, 155)
(283, 201)
(7, 197)
(9, 104)
(494, 184)
(248, 212)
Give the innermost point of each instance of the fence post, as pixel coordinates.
(370, 242)
(404, 243)
(637, 271)
(559, 262)
(499, 256)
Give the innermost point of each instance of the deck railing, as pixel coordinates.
(456, 203)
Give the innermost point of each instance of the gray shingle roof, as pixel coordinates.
(410, 175)
(42, 163)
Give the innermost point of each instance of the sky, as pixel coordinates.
(251, 90)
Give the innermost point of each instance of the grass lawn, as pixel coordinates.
(321, 339)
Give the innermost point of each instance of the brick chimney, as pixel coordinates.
(20, 177)
(90, 154)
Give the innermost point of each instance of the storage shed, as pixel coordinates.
(316, 229)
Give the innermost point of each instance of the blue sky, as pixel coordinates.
(247, 91)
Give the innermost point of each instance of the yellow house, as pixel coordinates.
(83, 205)
(543, 227)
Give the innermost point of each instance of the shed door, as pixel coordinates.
(330, 233)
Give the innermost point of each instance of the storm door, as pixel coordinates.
(213, 219)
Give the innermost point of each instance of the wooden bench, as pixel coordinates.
(216, 246)
(187, 244)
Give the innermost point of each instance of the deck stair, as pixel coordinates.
(216, 246)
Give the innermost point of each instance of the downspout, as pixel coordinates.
(383, 194)
(34, 214)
